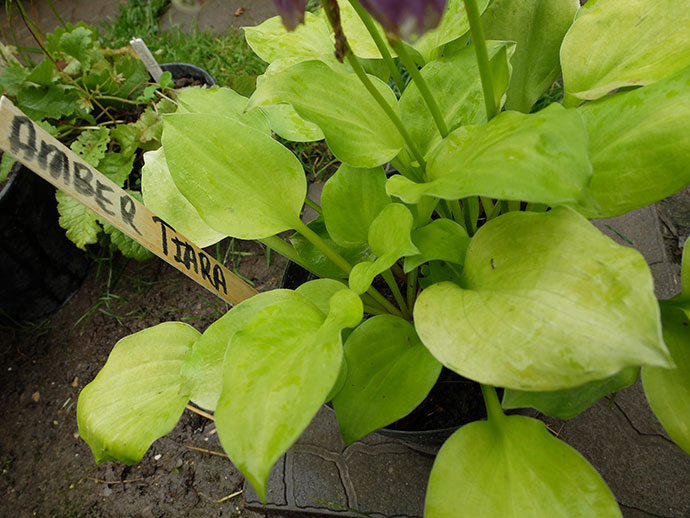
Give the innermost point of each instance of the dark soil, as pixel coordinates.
(46, 470)
(184, 82)
(453, 402)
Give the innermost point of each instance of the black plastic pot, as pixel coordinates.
(39, 267)
(294, 275)
(187, 70)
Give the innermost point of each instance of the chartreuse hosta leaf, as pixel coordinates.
(203, 368)
(283, 118)
(389, 373)
(545, 302)
(568, 403)
(630, 43)
(278, 371)
(389, 240)
(454, 24)
(351, 200)
(356, 128)
(271, 41)
(538, 28)
(542, 158)
(514, 467)
(361, 42)
(639, 144)
(241, 182)
(287, 123)
(138, 395)
(442, 240)
(221, 101)
(320, 291)
(455, 84)
(317, 262)
(162, 196)
(668, 390)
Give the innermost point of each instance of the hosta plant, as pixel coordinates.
(467, 186)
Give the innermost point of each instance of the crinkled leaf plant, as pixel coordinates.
(467, 191)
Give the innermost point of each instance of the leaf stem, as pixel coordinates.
(313, 205)
(380, 43)
(323, 247)
(387, 108)
(397, 295)
(368, 300)
(423, 87)
(412, 288)
(341, 262)
(479, 42)
(373, 310)
(284, 249)
(384, 302)
(333, 17)
(118, 99)
(493, 406)
(469, 224)
(488, 205)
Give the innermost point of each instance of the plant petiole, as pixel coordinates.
(309, 202)
(284, 249)
(412, 288)
(494, 411)
(323, 247)
(380, 43)
(479, 41)
(397, 295)
(384, 302)
(423, 87)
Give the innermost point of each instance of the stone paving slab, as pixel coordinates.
(382, 477)
(319, 476)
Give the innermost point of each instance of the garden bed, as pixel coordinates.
(46, 469)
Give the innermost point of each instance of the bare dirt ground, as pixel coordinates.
(46, 470)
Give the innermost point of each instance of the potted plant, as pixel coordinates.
(478, 230)
(101, 103)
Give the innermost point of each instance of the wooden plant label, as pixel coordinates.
(147, 58)
(46, 156)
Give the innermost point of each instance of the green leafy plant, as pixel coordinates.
(98, 101)
(478, 225)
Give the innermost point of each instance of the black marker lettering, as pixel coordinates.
(16, 143)
(164, 234)
(205, 267)
(102, 200)
(178, 251)
(82, 179)
(58, 165)
(127, 211)
(190, 257)
(219, 278)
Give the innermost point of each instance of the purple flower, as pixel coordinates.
(406, 18)
(291, 11)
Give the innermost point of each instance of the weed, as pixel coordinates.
(37, 329)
